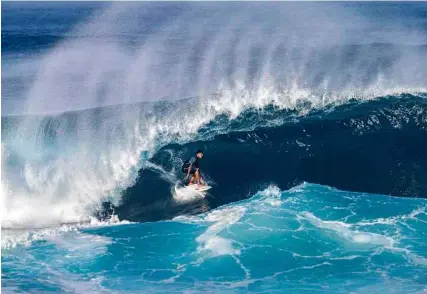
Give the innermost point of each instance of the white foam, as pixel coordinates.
(344, 231)
(412, 257)
(185, 195)
(272, 196)
(210, 243)
(25, 237)
(80, 245)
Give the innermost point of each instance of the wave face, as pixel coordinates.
(101, 103)
(309, 238)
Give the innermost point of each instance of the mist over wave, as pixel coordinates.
(131, 52)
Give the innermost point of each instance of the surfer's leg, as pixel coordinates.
(197, 174)
(193, 176)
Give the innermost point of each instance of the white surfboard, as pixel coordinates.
(202, 188)
(190, 193)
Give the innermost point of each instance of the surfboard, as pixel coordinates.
(202, 188)
(184, 194)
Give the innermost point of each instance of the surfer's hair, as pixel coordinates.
(199, 151)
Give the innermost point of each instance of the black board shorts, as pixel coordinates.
(185, 169)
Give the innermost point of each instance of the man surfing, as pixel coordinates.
(191, 167)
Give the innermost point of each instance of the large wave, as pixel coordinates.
(69, 171)
(60, 163)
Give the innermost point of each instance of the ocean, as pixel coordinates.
(312, 118)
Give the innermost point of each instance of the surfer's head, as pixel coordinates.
(199, 153)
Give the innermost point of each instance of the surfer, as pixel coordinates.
(191, 167)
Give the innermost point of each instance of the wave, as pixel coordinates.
(315, 237)
(76, 162)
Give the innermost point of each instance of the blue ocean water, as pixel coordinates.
(312, 118)
(309, 238)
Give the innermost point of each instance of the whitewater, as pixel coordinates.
(312, 118)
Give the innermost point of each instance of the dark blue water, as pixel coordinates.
(312, 118)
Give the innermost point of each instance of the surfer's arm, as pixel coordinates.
(188, 172)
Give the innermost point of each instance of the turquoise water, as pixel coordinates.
(310, 238)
